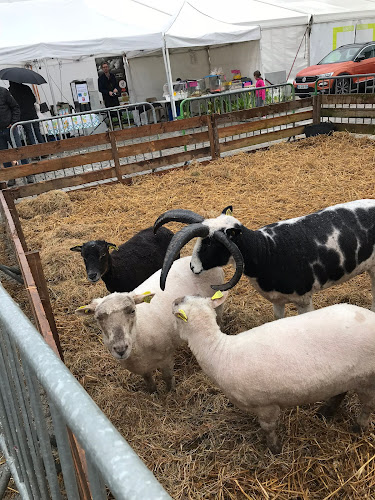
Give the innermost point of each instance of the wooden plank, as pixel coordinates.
(115, 156)
(264, 124)
(272, 109)
(160, 144)
(53, 147)
(160, 128)
(317, 105)
(141, 166)
(8, 196)
(55, 164)
(348, 113)
(63, 182)
(348, 99)
(213, 134)
(356, 128)
(261, 138)
(33, 259)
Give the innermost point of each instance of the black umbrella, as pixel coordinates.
(21, 75)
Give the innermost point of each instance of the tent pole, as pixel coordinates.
(50, 87)
(168, 72)
(129, 81)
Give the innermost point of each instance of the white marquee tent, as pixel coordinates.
(176, 38)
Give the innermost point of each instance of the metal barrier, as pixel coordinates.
(346, 84)
(236, 100)
(35, 383)
(83, 123)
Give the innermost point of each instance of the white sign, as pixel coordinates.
(82, 93)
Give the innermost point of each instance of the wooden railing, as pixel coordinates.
(198, 137)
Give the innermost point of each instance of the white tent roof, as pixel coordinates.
(331, 10)
(193, 28)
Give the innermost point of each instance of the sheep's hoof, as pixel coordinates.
(275, 448)
(356, 428)
(326, 412)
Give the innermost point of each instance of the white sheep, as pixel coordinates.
(142, 336)
(293, 361)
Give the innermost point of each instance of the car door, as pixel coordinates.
(367, 65)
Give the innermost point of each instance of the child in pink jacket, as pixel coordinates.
(259, 94)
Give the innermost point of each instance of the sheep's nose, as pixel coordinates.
(121, 350)
(93, 277)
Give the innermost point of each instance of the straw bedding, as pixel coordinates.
(197, 443)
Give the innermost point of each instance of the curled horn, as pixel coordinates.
(177, 242)
(237, 255)
(177, 215)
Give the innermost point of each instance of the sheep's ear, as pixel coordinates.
(89, 309)
(111, 246)
(228, 210)
(77, 248)
(143, 297)
(218, 298)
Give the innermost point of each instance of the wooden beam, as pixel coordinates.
(317, 105)
(348, 99)
(9, 200)
(242, 128)
(33, 259)
(160, 128)
(261, 138)
(53, 147)
(213, 134)
(55, 164)
(356, 128)
(272, 109)
(348, 113)
(161, 144)
(63, 182)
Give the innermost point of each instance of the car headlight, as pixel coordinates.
(326, 75)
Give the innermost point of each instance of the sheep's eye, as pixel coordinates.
(132, 312)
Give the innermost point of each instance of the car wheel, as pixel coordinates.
(342, 86)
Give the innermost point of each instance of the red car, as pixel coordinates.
(351, 59)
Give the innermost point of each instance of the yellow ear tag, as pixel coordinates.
(85, 308)
(217, 295)
(182, 315)
(229, 212)
(113, 247)
(148, 298)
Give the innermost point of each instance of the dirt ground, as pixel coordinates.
(198, 444)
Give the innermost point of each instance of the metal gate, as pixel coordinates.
(41, 406)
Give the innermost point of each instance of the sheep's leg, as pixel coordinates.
(328, 409)
(167, 373)
(267, 417)
(305, 307)
(150, 383)
(279, 310)
(367, 399)
(372, 276)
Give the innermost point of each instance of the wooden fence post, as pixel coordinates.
(213, 136)
(8, 195)
(115, 156)
(317, 106)
(33, 259)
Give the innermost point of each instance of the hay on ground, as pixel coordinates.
(198, 444)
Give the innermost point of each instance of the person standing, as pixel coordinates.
(259, 94)
(26, 100)
(109, 87)
(10, 114)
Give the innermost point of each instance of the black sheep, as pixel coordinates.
(130, 264)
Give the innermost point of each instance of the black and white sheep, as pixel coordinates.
(130, 264)
(286, 261)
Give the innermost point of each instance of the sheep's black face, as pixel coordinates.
(96, 257)
(207, 254)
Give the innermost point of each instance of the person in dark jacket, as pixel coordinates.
(26, 100)
(109, 87)
(9, 114)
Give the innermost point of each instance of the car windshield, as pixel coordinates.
(340, 55)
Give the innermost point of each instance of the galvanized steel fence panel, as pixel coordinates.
(36, 384)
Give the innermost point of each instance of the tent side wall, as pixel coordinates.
(328, 36)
